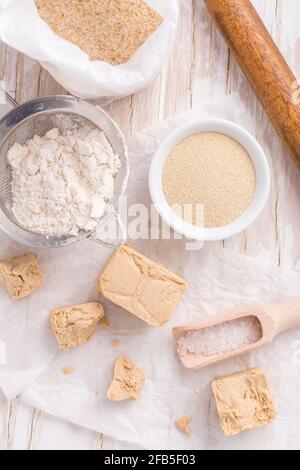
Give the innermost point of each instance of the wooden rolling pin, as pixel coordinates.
(265, 67)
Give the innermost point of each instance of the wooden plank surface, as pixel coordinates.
(199, 55)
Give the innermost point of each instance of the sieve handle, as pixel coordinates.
(121, 233)
(4, 96)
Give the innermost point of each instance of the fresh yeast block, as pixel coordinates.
(141, 286)
(243, 401)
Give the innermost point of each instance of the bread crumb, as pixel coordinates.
(184, 425)
(105, 323)
(107, 30)
(115, 343)
(67, 370)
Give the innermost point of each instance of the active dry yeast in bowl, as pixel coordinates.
(209, 180)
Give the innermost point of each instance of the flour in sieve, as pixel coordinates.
(62, 181)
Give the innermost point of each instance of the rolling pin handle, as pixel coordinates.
(264, 66)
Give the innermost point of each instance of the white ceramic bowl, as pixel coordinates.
(260, 163)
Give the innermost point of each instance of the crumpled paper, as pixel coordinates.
(218, 279)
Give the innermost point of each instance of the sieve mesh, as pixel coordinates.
(39, 124)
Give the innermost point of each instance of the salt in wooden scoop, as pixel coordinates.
(251, 326)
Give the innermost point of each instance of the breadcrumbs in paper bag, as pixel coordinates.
(107, 30)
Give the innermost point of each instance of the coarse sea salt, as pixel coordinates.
(225, 337)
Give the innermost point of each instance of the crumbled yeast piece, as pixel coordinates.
(243, 401)
(21, 276)
(141, 286)
(128, 381)
(73, 326)
(184, 425)
(67, 370)
(105, 323)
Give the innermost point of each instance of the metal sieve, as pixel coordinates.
(37, 117)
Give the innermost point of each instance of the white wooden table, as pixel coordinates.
(200, 53)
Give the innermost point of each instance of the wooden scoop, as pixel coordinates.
(273, 320)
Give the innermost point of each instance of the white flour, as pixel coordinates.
(226, 337)
(62, 181)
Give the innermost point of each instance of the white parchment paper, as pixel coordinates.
(218, 279)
